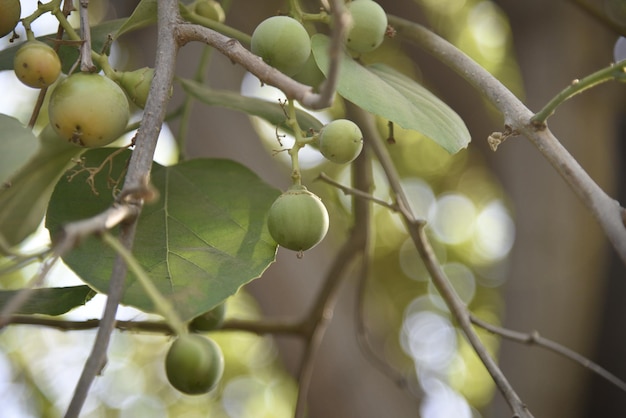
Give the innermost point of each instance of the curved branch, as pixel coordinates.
(518, 118)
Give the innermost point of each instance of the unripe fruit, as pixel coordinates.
(210, 9)
(36, 64)
(137, 84)
(341, 141)
(194, 364)
(283, 43)
(369, 24)
(89, 110)
(310, 74)
(298, 220)
(10, 11)
(209, 321)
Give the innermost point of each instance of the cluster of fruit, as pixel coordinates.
(73, 113)
(298, 220)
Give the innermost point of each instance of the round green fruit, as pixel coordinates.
(194, 364)
(283, 43)
(310, 74)
(341, 141)
(10, 11)
(36, 64)
(298, 220)
(209, 321)
(89, 110)
(137, 84)
(210, 9)
(369, 24)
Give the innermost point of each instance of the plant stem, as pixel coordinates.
(162, 305)
(609, 73)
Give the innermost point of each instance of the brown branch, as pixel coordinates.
(534, 338)
(517, 118)
(416, 231)
(274, 327)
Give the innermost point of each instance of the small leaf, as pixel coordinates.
(200, 242)
(145, 14)
(50, 301)
(17, 145)
(383, 91)
(24, 199)
(271, 112)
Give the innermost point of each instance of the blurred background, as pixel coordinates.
(518, 246)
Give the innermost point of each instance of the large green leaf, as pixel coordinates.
(200, 242)
(24, 198)
(385, 92)
(67, 53)
(50, 301)
(271, 112)
(17, 145)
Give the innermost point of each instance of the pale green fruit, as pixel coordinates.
(194, 364)
(36, 64)
(283, 43)
(10, 11)
(341, 141)
(137, 84)
(298, 220)
(89, 110)
(369, 24)
(210, 9)
(209, 321)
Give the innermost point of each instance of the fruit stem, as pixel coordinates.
(162, 305)
(41, 9)
(612, 72)
(300, 142)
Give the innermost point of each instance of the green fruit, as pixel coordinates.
(36, 64)
(341, 141)
(88, 110)
(10, 11)
(310, 74)
(210, 9)
(283, 43)
(137, 84)
(209, 321)
(194, 364)
(298, 220)
(369, 24)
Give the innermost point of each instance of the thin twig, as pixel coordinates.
(260, 327)
(417, 233)
(356, 192)
(517, 118)
(534, 338)
(86, 63)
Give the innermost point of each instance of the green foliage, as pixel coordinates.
(50, 301)
(200, 242)
(395, 97)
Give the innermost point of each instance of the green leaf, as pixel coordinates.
(24, 200)
(50, 301)
(67, 53)
(145, 14)
(385, 92)
(17, 145)
(200, 242)
(271, 112)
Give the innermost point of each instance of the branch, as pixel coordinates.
(534, 338)
(416, 231)
(275, 327)
(231, 48)
(136, 179)
(518, 118)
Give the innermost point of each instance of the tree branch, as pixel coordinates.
(136, 179)
(518, 118)
(416, 231)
